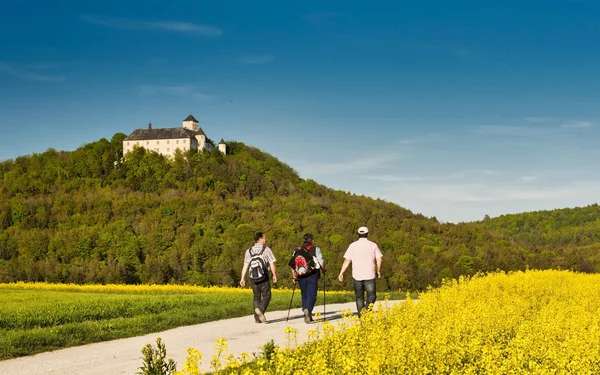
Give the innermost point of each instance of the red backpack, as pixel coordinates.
(303, 260)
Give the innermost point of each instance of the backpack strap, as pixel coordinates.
(259, 253)
(310, 249)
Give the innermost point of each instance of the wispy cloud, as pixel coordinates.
(466, 202)
(394, 178)
(173, 90)
(430, 137)
(172, 26)
(466, 192)
(577, 124)
(391, 177)
(489, 172)
(256, 60)
(368, 163)
(528, 178)
(28, 74)
(503, 130)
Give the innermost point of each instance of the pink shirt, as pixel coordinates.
(363, 253)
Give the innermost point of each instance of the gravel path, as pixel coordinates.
(123, 356)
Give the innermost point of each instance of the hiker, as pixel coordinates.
(307, 275)
(257, 261)
(364, 256)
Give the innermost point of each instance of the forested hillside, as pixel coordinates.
(563, 238)
(86, 217)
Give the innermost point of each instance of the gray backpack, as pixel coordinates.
(258, 268)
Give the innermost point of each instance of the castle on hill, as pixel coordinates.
(166, 141)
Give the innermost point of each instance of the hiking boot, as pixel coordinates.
(260, 315)
(307, 317)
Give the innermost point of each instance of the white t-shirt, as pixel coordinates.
(267, 255)
(363, 253)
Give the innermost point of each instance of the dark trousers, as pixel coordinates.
(308, 289)
(359, 291)
(262, 296)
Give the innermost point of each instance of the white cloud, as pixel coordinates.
(426, 138)
(362, 164)
(489, 172)
(174, 90)
(528, 178)
(256, 60)
(409, 141)
(468, 202)
(577, 124)
(173, 26)
(28, 75)
(393, 178)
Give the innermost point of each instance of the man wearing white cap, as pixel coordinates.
(365, 257)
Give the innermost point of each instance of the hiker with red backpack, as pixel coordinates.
(306, 264)
(257, 261)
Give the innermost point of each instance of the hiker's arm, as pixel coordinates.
(273, 271)
(244, 269)
(344, 267)
(379, 267)
(294, 274)
(320, 260)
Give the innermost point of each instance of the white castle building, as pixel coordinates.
(166, 141)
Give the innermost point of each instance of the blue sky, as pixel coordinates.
(452, 109)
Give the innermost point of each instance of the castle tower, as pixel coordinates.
(190, 123)
(223, 146)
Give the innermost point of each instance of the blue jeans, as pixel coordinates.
(359, 291)
(308, 288)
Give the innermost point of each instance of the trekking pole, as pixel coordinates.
(293, 290)
(324, 287)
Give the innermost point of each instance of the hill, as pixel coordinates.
(562, 238)
(86, 217)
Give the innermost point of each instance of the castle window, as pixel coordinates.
(147, 142)
(178, 141)
(168, 150)
(167, 142)
(137, 143)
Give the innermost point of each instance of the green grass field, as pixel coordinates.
(37, 319)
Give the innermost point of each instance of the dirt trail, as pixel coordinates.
(123, 356)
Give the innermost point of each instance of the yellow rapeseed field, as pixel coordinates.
(120, 288)
(533, 322)
(139, 289)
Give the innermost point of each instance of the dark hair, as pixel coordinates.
(258, 236)
(363, 235)
(308, 238)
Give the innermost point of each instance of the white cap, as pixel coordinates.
(363, 230)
